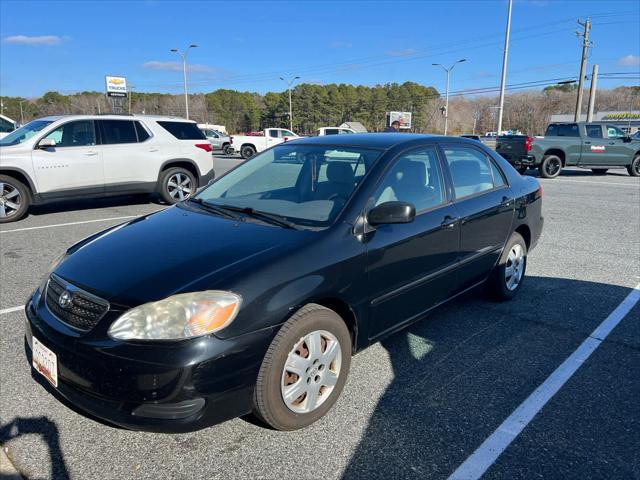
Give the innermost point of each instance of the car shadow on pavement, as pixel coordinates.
(579, 172)
(459, 373)
(90, 204)
(48, 431)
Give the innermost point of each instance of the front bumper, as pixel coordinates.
(170, 387)
(207, 177)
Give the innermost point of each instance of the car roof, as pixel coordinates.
(113, 116)
(381, 141)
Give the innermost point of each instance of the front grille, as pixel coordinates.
(81, 311)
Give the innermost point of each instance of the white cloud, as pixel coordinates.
(341, 44)
(405, 52)
(177, 67)
(37, 40)
(630, 61)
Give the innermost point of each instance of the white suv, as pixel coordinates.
(75, 156)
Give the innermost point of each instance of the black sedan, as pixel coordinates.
(253, 295)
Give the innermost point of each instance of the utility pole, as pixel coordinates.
(446, 103)
(130, 95)
(289, 83)
(583, 65)
(592, 93)
(21, 113)
(505, 58)
(183, 55)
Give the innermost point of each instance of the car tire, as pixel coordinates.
(247, 151)
(522, 170)
(634, 168)
(289, 347)
(226, 149)
(15, 198)
(508, 275)
(177, 184)
(599, 171)
(550, 166)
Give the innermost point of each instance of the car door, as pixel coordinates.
(412, 267)
(619, 152)
(593, 145)
(130, 165)
(74, 166)
(485, 205)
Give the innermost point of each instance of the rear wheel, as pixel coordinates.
(177, 184)
(304, 370)
(599, 171)
(551, 166)
(247, 151)
(226, 149)
(634, 168)
(507, 277)
(14, 199)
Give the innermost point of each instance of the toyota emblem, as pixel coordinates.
(65, 299)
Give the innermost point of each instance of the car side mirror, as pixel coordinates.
(627, 139)
(46, 143)
(391, 212)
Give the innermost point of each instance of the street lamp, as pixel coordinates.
(446, 107)
(183, 55)
(289, 83)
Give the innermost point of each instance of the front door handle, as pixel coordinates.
(506, 202)
(449, 221)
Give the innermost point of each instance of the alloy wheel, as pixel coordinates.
(553, 167)
(10, 200)
(179, 186)
(515, 267)
(311, 371)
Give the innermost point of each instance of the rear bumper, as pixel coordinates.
(207, 177)
(519, 160)
(173, 388)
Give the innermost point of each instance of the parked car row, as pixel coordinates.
(80, 156)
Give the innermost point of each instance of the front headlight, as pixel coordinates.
(182, 316)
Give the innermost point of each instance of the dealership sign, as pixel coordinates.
(116, 86)
(403, 117)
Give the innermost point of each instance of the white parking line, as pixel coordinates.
(479, 462)
(70, 223)
(10, 310)
(554, 180)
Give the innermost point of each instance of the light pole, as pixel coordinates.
(183, 55)
(131, 87)
(289, 83)
(446, 105)
(21, 113)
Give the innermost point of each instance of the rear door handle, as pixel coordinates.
(153, 150)
(91, 153)
(587, 143)
(449, 221)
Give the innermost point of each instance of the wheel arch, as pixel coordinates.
(185, 163)
(524, 230)
(558, 153)
(344, 310)
(21, 176)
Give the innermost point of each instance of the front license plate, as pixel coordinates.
(45, 362)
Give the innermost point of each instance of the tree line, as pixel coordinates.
(316, 106)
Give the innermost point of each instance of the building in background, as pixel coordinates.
(6, 125)
(629, 121)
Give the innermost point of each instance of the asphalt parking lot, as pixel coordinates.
(416, 405)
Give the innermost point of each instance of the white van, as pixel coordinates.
(80, 156)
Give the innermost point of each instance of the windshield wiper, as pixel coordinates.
(268, 217)
(213, 208)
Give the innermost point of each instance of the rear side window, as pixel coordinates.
(183, 130)
(471, 171)
(141, 131)
(594, 131)
(570, 130)
(552, 131)
(331, 131)
(118, 131)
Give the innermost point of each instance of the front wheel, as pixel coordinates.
(247, 152)
(177, 184)
(304, 370)
(14, 199)
(507, 277)
(550, 166)
(599, 171)
(634, 168)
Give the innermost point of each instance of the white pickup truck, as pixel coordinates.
(335, 131)
(249, 145)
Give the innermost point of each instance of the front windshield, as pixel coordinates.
(24, 133)
(306, 184)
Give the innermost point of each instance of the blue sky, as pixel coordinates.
(70, 46)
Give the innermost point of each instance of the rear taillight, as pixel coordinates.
(205, 146)
(527, 144)
(539, 190)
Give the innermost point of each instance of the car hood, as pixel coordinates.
(175, 250)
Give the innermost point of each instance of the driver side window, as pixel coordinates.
(415, 178)
(74, 134)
